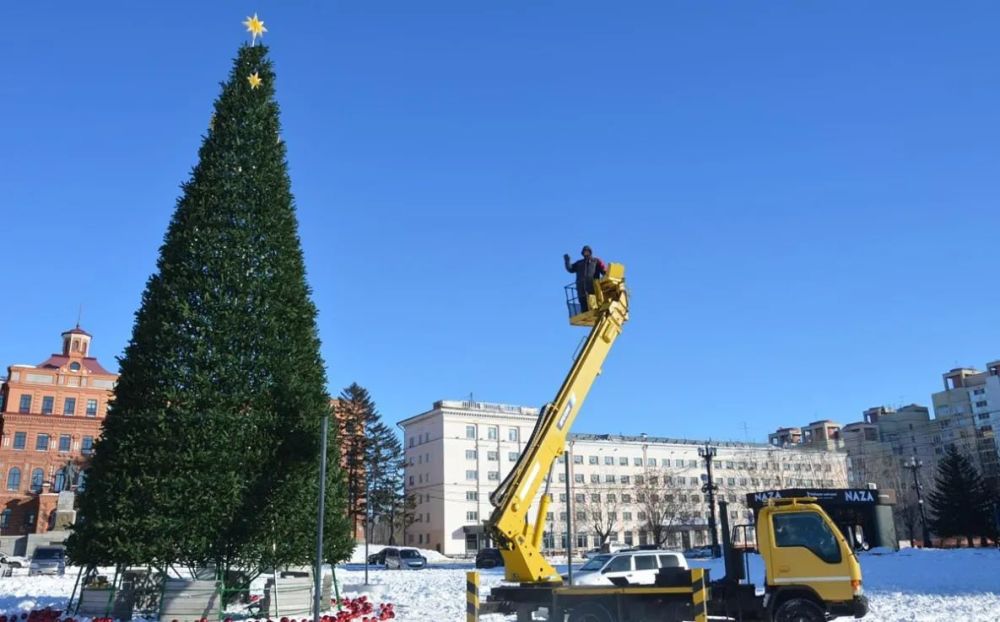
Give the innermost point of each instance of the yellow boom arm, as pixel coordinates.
(518, 539)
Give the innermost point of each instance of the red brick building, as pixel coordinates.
(50, 415)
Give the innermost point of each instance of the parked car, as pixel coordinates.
(698, 552)
(489, 558)
(641, 547)
(607, 547)
(13, 561)
(48, 560)
(377, 559)
(627, 568)
(403, 559)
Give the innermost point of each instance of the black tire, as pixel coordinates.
(799, 610)
(591, 612)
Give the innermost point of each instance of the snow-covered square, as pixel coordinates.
(913, 585)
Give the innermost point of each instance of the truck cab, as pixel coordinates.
(811, 571)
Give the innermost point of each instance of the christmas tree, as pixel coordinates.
(960, 502)
(210, 451)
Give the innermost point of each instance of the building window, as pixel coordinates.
(37, 477)
(513, 434)
(595, 478)
(60, 481)
(492, 433)
(470, 431)
(20, 440)
(65, 442)
(512, 456)
(5, 519)
(562, 478)
(651, 462)
(577, 459)
(609, 478)
(578, 478)
(472, 475)
(42, 442)
(609, 460)
(623, 461)
(472, 515)
(69, 406)
(637, 461)
(91, 408)
(593, 460)
(87, 447)
(470, 454)
(48, 404)
(471, 495)
(14, 479)
(25, 406)
(493, 456)
(494, 476)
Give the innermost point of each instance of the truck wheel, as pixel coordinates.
(799, 610)
(590, 613)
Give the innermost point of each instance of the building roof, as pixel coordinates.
(76, 331)
(662, 440)
(89, 363)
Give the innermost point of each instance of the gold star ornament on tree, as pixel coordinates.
(255, 26)
(254, 80)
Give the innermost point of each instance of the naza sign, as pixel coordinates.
(859, 496)
(761, 497)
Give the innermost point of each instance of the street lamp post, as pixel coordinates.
(707, 454)
(914, 465)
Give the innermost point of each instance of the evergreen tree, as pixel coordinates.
(960, 503)
(210, 450)
(356, 411)
(385, 463)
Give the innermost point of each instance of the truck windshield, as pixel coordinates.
(596, 562)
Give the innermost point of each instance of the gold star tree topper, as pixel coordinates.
(255, 26)
(254, 80)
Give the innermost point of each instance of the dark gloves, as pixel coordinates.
(566, 257)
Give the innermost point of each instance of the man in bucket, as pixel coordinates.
(586, 270)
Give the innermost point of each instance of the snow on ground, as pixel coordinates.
(914, 585)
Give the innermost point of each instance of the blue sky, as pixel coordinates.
(804, 193)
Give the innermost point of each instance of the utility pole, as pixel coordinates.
(321, 515)
(914, 466)
(569, 513)
(707, 454)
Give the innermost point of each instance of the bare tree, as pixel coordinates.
(600, 507)
(659, 503)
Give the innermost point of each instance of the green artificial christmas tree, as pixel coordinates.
(960, 502)
(210, 451)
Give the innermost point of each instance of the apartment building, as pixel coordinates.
(971, 400)
(458, 453)
(50, 415)
(823, 434)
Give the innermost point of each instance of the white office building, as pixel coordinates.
(459, 452)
